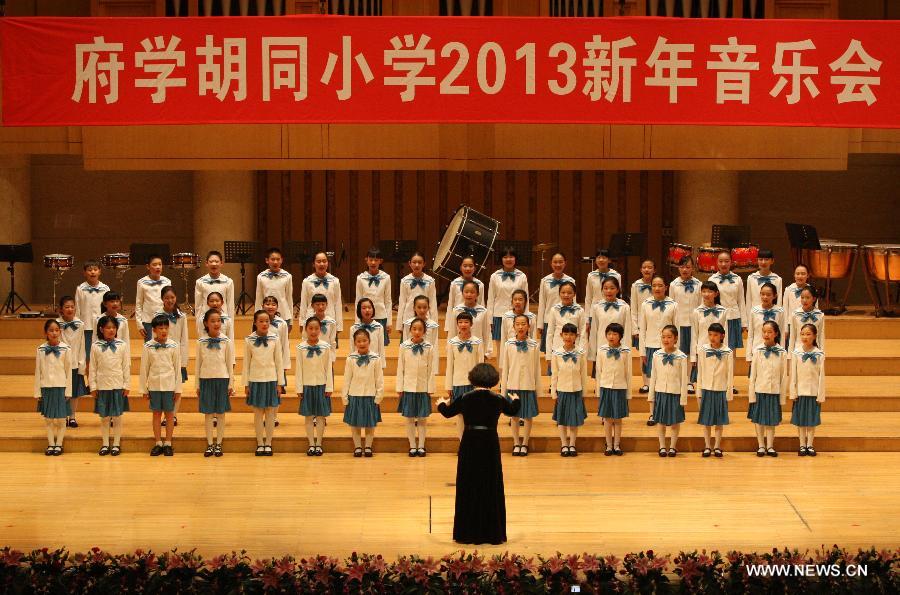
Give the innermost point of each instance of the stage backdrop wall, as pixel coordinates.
(578, 210)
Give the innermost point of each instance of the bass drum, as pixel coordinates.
(469, 233)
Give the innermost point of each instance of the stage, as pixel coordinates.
(394, 505)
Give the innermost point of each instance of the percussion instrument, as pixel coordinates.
(708, 258)
(833, 261)
(118, 260)
(59, 262)
(882, 265)
(744, 258)
(543, 247)
(185, 260)
(677, 252)
(469, 233)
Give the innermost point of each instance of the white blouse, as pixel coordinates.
(263, 363)
(758, 317)
(363, 379)
(462, 356)
(279, 325)
(569, 371)
(549, 296)
(215, 358)
(593, 291)
(328, 333)
(799, 318)
(206, 285)
(481, 325)
(521, 369)
(53, 368)
(687, 295)
(89, 303)
(671, 378)
(309, 288)
(614, 368)
(454, 298)
(655, 316)
(715, 369)
(603, 314)
(640, 291)
(73, 336)
(415, 368)
(411, 288)
(313, 366)
(808, 374)
(378, 289)
(769, 375)
(279, 285)
(178, 332)
(110, 370)
(790, 299)
(557, 318)
(501, 288)
(701, 319)
(754, 285)
(731, 294)
(431, 336)
(376, 338)
(147, 299)
(160, 367)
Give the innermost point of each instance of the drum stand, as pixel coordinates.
(120, 272)
(245, 300)
(57, 277)
(886, 308)
(187, 306)
(840, 307)
(9, 305)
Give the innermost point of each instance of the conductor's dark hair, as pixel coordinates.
(374, 252)
(509, 251)
(774, 291)
(153, 257)
(359, 308)
(672, 328)
(710, 285)
(569, 328)
(484, 376)
(765, 253)
(464, 316)
(716, 328)
(472, 283)
(159, 320)
(615, 327)
(212, 253)
(64, 300)
(104, 320)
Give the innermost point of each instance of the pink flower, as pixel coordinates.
(660, 563)
(510, 567)
(214, 564)
(259, 566)
(590, 563)
(175, 562)
(689, 570)
(612, 561)
(555, 564)
(270, 579)
(356, 572)
(642, 565)
(457, 568)
(379, 564)
(285, 566)
(11, 557)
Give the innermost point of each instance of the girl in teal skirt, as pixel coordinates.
(215, 374)
(568, 382)
(768, 388)
(315, 383)
(53, 385)
(263, 375)
(715, 378)
(669, 377)
(415, 385)
(363, 391)
(807, 387)
(109, 377)
(613, 380)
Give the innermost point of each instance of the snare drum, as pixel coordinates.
(118, 260)
(882, 261)
(677, 252)
(59, 262)
(708, 259)
(469, 233)
(185, 260)
(744, 258)
(833, 261)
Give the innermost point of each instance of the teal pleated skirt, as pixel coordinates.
(111, 403)
(766, 411)
(613, 403)
(806, 413)
(569, 410)
(735, 334)
(667, 409)
(79, 387)
(53, 403)
(314, 402)
(528, 405)
(264, 394)
(713, 408)
(414, 405)
(162, 400)
(458, 391)
(362, 412)
(214, 396)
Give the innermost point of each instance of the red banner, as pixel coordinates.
(89, 71)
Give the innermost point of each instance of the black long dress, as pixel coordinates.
(480, 501)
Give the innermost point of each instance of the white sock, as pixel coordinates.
(104, 430)
(208, 425)
(60, 431)
(117, 430)
(270, 425)
(258, 416)
(220, 433)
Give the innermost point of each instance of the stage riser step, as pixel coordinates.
(837, 366)
(343, 446)
(638, 404)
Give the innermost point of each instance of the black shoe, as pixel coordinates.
(651, 421)
(210, 451)
(421, 452)
(734, 391)
(175, 421)
(168, 451)
(691, 389)
(672, 452)
(72, 423)
(573, 452)
(215, 422)
(413, 453)
(706, 453)
(104, 450)
(219, 450)
(368, 452)
(760, 452)
(564, 451)
(644, 390)
(156, 450)
(524, 451)
(277, 423)
(319, 451)
(357, 452)
(311, 451)
(516, 452)
(163, 422)
(57, 451)
(771, 452)
(115, 451)
(717, 452)
(260, 451)
(269, 452)
(810, 451)
(801, 452)
(618, 452)
(662, 453)
(609, 452)
(49, 451)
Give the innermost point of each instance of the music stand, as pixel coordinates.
(623, 245)
(13, 253)
(730, 236)
(801, 237)
(522, 249)
(242, 252)
(397, 252)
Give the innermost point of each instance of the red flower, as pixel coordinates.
(555, 564)
(612, 561)
(660, 563)
(175, 562)
(259, 566)
(510, 567)
(11, 557)
(590, 563)
(216, 563)
(641, 565)
(285, 566)
(356, 572)
(270, 579)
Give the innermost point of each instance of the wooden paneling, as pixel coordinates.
(802, 9)
(359, 208)
(128, 8)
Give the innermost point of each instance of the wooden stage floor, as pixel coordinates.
(394, 505)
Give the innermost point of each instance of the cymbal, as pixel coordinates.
(544, 246)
